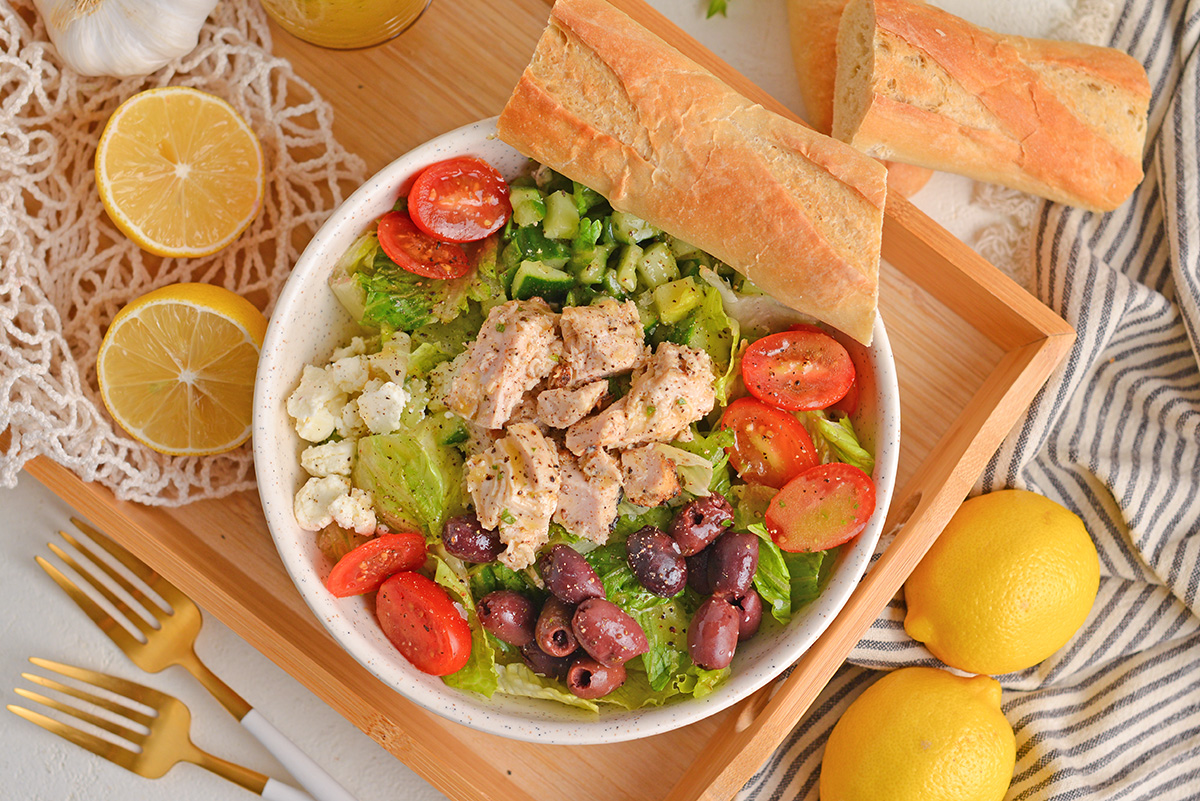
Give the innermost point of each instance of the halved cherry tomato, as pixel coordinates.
(417, 251)
(798, 370)
(770, 446)
(367, 566)
(822, 507)
(459, 200)
(419, 618)
(849, 403)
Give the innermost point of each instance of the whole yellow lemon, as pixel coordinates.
(1009, 581)
(921, 734)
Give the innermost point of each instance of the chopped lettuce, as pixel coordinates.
(773, 581)
(712, 447)
(380, 294)
(493, 576)
(836, 441)
(695, 471)
(517, 679)
(479, 675)
(416, 480)
(786, 581)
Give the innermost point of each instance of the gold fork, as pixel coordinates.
(169, 639)
(160, 739)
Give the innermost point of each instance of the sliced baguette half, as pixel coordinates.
(611, 105)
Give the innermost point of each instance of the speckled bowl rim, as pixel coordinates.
(350, 621)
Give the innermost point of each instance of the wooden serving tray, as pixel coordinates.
(972, 349)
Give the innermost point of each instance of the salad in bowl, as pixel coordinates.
(549, 470)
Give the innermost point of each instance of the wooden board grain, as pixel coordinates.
(963, 382)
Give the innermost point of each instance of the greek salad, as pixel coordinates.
(571, 456)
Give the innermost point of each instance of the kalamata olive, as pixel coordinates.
(750, 611)
(700, 522)
(587, 678)
(469, 541)
(713, 633)
(656, 561)
(697, 568)
(508, 615)
(732, 560)
(568, 575)
(553, 632)
(543, 664)
(610, 636)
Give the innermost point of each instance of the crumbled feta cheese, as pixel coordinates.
(381, 406)
(316, 404)
(350, 425)
(357, 347)
(391, 363)
(313, 501)
(354, 510)
(329, 458)
(350, 373)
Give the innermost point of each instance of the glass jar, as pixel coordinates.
(345, 24)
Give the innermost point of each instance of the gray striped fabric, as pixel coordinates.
(1115, 436)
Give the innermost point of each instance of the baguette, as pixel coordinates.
(813, 25)
(610, 105)
(1061, 120)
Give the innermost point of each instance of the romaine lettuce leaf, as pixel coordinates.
(836, 441)
(517, 679)
(415, 479)
(479, 674)
(712, 447)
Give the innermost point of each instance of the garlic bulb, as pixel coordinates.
(123, 38)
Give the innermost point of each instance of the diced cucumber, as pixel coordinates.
(627, 264)
(539, 279)
(683, 250)
(584, 197)
(562, 218)
(676, 299)
(579, 296)
(611, 286)
(629, 230)
(592, 263)
(646, 310)
(528, 205)
(657, 265)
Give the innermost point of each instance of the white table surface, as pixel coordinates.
(36, 618)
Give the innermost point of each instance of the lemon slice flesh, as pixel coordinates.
(176, 368)
(179, 171)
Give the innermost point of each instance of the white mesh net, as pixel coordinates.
(67, 270)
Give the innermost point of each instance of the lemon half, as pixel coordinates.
(179, 171)
(176, 368)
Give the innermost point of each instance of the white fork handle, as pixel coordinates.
(309, 774)
(278, 791)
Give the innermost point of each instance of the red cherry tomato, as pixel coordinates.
(849, 403)
(798, 370)
(366, 567)
(459, 200)
(821, 508)
(419, 618)
(770, 446)
(417, 251)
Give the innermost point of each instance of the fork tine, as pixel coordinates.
(168, 591)
(93, 610)
(109, 726)
(106, 622)
(103, 748)
(134, 692)
(135, 592)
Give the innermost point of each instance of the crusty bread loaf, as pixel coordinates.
(1061, 120)
(813, 25)
(609, 104)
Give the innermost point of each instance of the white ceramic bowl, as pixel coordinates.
(308, 324)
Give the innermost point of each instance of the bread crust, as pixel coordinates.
(1061, 120)
(813, 25)
(609, 104)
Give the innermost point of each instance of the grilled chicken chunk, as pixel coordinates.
(515, 486)
(601, 340)
(517, 347)
(559, 408)
(648, 476)
(589, 489)
(672, 391)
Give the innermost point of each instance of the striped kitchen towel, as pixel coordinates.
(1115, 436)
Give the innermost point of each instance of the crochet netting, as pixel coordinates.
(67, 270)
